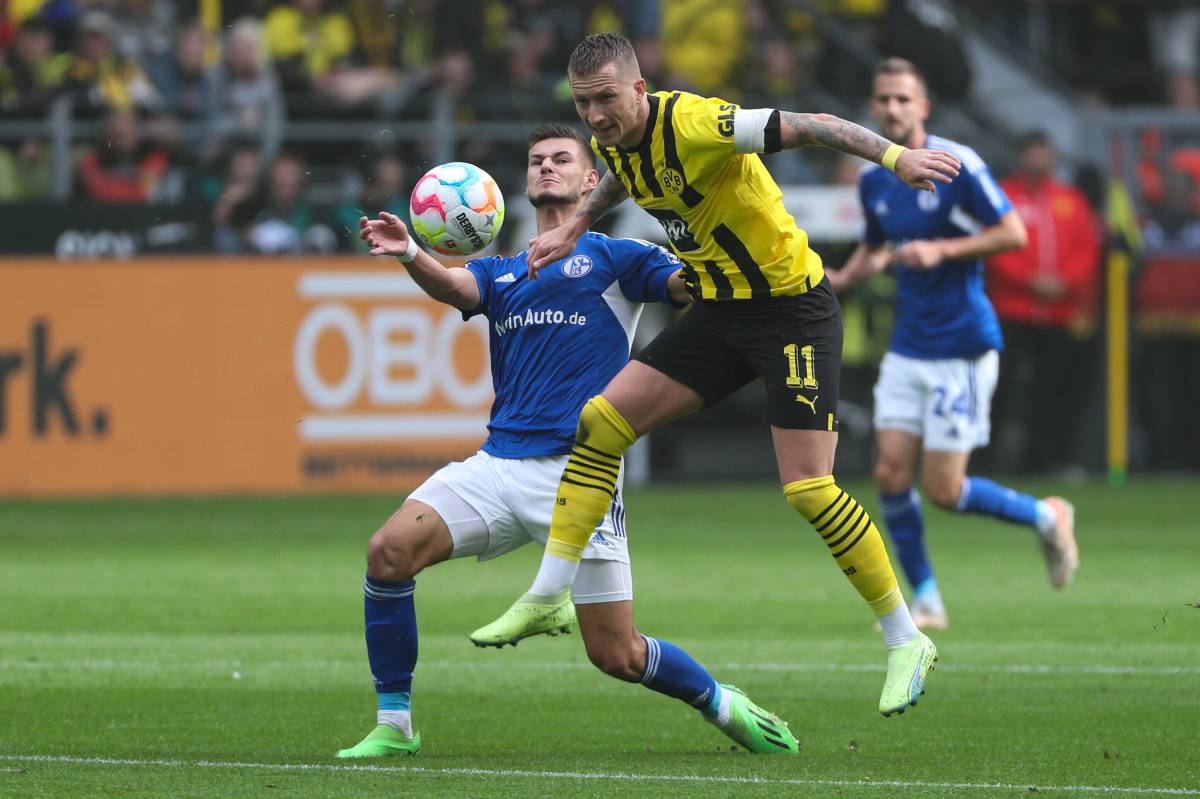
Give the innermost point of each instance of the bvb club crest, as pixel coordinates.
(672, 181)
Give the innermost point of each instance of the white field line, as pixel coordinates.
(115, 664)
(616, 776)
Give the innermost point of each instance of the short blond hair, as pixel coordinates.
(598, 49)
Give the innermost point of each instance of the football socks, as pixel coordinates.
(983, 496)
(589, 483)
(391, 627)
(905, 522)
(852, 538)
(672, 671)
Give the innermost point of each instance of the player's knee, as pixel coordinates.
(892, 476)
(943, 491)
(601, 425)
(616, 658)
(391, 555)
(810, 497)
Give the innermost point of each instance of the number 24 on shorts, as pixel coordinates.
(959, 407)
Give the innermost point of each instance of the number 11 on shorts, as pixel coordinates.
(794, 354)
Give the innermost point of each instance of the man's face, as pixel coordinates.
(287, 177)
(122, 131)
(243, 166)
(558, 173)
(1036, 161)
(94, 45)
(190, 47)
(607, 102)
(242, 55)
(35, 44)
(900, 106)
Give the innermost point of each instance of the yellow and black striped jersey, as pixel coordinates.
(722, 211)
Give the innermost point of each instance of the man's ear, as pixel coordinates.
(592, 180)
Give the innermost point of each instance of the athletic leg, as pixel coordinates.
(805, 459)
(957, 421)
(436, 523)
(639, 399)
(895, 468)
(947, 485)
(687, 366)
(615, 646)
(797, 350)
(414, 537)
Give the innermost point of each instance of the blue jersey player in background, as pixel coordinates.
(554, 344)
(936, 381)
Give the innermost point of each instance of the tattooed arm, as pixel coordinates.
(608, 194)
(559, 242)
(917, 168)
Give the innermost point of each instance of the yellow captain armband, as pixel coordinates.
(891, 155)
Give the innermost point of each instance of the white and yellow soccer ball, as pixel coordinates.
(456, 209)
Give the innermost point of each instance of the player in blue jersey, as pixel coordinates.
(554, 343)
(936, 380)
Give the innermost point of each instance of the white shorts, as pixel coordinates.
(495, 505)
(946, 403)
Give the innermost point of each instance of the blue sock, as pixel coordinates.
(902, 513)
(926, 586)
(671, 671)
(401, 700)
(981, 495)
(391, 622)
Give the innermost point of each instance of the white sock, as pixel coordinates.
(898, 627)
(930, 600)
(554, 575)
(399, 719)
(723, 704)
(1047, 519)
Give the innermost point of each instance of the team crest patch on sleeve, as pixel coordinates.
(577, 266)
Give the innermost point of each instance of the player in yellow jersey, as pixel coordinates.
(765, 310)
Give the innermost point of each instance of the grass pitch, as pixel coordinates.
(213, 648)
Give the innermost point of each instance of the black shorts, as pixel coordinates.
(793, 343)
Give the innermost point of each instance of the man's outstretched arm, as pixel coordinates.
(918, 168)
(388, 235)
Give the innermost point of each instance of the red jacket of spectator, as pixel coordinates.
(1064, 244)
(132, 182)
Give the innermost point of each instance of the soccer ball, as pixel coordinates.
(456, 209)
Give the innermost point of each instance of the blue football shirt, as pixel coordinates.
(556, 341)
(941, 312)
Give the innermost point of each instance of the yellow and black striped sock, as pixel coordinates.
(851, 536)
(589, 480)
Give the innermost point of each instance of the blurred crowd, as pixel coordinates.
(193, 101)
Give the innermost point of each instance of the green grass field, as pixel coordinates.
(213, 648)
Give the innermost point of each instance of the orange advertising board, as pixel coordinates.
(195, 375)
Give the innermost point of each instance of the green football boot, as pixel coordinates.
(383, 741)
(758, 730)
(529, 615)
(907, 667)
